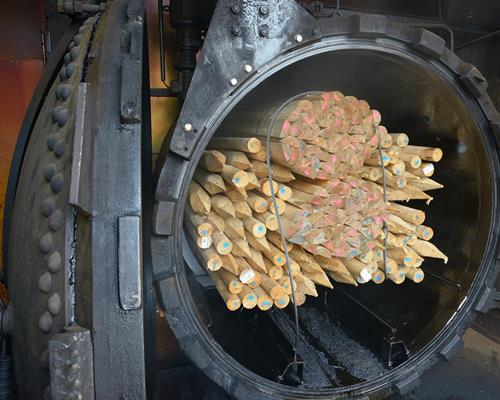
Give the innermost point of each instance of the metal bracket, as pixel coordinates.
(81, 168)
(429, 43)
(489, 300)
(474, 80)
(394, 352)
(130, 262)
(451, 347)
(408, 383)
(229, 55)
(71, 365)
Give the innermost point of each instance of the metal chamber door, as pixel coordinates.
(75, 240)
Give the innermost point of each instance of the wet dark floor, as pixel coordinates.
(474, 374)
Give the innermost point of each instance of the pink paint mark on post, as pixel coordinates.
(338, 203)
(308, 119)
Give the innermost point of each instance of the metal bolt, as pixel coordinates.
(298, 38)
(236, 30)
(264, 30)
(248, 68)
(129, 110)
(188, 127)
(233, 81)
(236, 9)
(264, 10)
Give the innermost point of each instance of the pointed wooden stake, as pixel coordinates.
(223, 206)
(282, 301)
(250, 145)
(248, 298)
(232, 282)
(222, 243)
(212, 183)
(269, 219)
(211, 259)
(229, 264)
(199, 200)
(264, 301)
(427, 249)
(256, 260)
(433, 154)
(237, 159)
(212, 160)
(254, 226)
(235, 176)
(232, 301)
(257, 202)
(415, 274)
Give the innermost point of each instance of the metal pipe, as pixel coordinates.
(474, 41)
(435, 25)
(162, 48)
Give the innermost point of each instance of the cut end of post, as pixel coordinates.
(254, 145)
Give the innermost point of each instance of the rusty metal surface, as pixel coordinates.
(22, 22)
(21, 66)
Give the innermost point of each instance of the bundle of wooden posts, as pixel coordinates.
(333, 165)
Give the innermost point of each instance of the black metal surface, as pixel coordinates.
(461, 15)
(6, 377)
(225, 55)
(420, 87)
(173, 385)
(150, 344)
(50, 73)
(162, 92)
(474, 374)
(104, 276)
(67, 258)
(479, 39)
(312, 367)
(42, 251)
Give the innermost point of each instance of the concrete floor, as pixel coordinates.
(474, 374)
